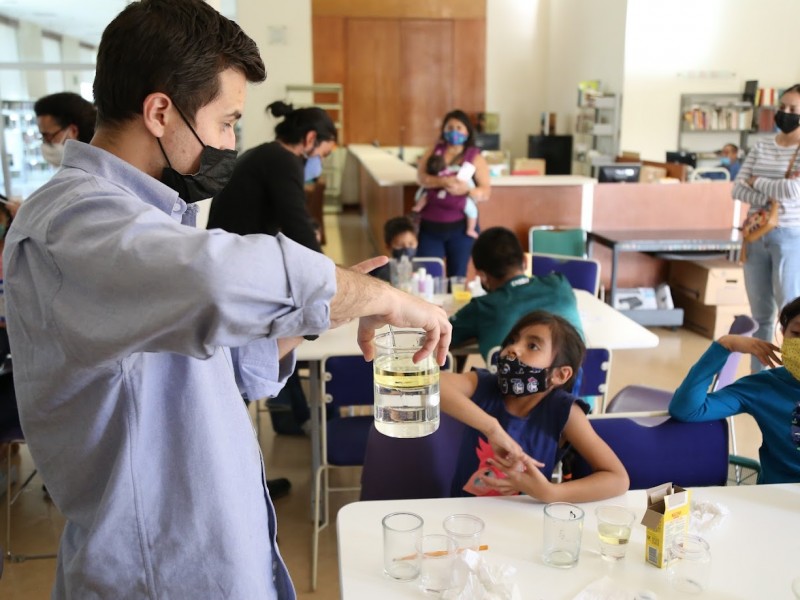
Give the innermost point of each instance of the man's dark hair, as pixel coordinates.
(177, 47)
(298, 122)
(68, 108)
(395, 226)
(568, 346)
(497, 251)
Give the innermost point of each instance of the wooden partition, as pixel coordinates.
(652, 206)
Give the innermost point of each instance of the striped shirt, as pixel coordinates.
(768, 162)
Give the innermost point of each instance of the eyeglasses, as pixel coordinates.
(49, 137)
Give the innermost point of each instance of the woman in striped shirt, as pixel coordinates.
(772, 267)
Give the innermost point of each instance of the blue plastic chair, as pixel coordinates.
(433, 266)
(347, 384)
(687, 454)
(582, 273)
(401, 469)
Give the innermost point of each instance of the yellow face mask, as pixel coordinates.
(790, 355)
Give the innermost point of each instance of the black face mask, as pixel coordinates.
(399, 253)
(515, 378)
(787, 122)
(216, 167)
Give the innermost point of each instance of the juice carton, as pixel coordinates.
(667, 515)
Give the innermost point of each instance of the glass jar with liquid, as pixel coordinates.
(406, 393)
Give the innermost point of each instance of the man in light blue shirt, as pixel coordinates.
(120, 316)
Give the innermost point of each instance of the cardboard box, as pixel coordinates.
(635, 298)
(667, 516)
(529, 166)
(649, 174)
(717, 282)
(711, 321)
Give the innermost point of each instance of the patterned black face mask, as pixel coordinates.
(518, 379)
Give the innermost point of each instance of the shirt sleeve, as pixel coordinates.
(131, 279)
(742, 191)
(692, 400)
(258, 370)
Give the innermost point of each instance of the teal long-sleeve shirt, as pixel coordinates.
(489, 318)
(771, 397)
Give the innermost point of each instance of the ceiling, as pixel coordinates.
(84, 19)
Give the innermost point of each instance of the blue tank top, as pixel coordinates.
(538, 433)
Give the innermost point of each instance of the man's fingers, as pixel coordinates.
(370, 264)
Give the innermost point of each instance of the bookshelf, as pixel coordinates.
(709, 121)
(596, 131)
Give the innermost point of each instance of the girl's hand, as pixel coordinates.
(763, 351)
(528, 479)
(506, 450)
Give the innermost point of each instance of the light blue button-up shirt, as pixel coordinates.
(120, 317)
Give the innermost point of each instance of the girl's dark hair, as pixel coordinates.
(568, 347)
(460, 115)
(68, 108)
(177, 47)
(298, 122)
(789, 312)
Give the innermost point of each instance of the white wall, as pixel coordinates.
(586, 41)
(288, 61)
(516, 58)
(698, 46)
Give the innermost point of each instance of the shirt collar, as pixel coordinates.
(516, 281)
(103, 164)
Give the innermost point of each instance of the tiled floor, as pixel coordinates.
(37, 525)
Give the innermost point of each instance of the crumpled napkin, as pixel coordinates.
(474, 579)
(606, 589)
(706, 516)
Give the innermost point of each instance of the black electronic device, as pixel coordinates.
(619, 173)
(684, 158)
(487, 141)
(556, 150)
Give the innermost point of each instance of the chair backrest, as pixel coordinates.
(347, 388)
(687, 454)
(548, 239)
(639, 398)
(595, 371)
(433, 266)
(582, 273)
(405, 468)
(742, 325)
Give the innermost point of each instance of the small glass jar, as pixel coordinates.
(689, 564)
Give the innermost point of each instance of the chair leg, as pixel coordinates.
(317, 527)
(10, 556)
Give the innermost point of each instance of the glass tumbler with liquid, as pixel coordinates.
(406, 393)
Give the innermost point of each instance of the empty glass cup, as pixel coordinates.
(401, 534)
(689, 564)
(563, 530)
(466, 530)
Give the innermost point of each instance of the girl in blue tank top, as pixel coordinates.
(523, 418)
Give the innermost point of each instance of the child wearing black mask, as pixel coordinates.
(522, 419)
(400, 238)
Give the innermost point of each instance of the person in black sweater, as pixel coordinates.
(265, 194)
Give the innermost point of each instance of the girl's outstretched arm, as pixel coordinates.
(456, 390)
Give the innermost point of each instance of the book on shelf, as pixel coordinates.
(718, 117)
